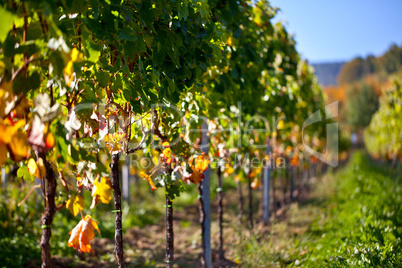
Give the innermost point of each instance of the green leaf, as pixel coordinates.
(23, 172)
(204, 9)
(128, 34)
(73, 157)
(183, 10)
(130, 50)
(141, 46)
(25, 84)
(6, 23)
(61, 143)
(93, 51)
(103, 78)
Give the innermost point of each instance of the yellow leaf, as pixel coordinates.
(155, 160)
(101, 192)
(6, 127)
(166, 144)
(114, 142)
(281, 124)
(68, 73)
(82, 234)
(5, 96)
(19, 146)
(167, 155)
(33, 168)
(76, 56)
(75, 204)
(68, 70)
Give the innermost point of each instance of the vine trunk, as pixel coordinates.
(114, 166)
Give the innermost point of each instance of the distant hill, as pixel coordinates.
(327, 73)
(381, 67)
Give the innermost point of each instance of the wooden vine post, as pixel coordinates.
(125, 170)
(266, 185)
(220, 213)
(202, 223)
(169, 228)
(206, 197)
(250, 200)
(240, 203)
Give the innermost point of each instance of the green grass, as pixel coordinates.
(363, 223)
(353, 219)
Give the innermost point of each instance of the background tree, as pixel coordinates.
(361, 104)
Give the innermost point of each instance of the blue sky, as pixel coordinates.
(337, 30)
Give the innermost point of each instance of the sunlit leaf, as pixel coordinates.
(10, 128)
(82, 234)
(6, 23)
(36, 169)
(75, 204)
(255, 183)
(114, 142)
(19, 146)
(49, 140)
(75, 56)
(101, 191)
(149, 179)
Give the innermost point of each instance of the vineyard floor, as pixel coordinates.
(349, 217)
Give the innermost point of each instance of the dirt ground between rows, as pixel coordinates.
(145, 247)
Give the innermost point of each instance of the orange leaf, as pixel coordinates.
(198, 165)
(82, 234)
(314, 160)
(195, 177)
(295, 161)
(49, 140)
(149, 179)
(229, 41)
(256, 183)
(201, 163)
(228, 169)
